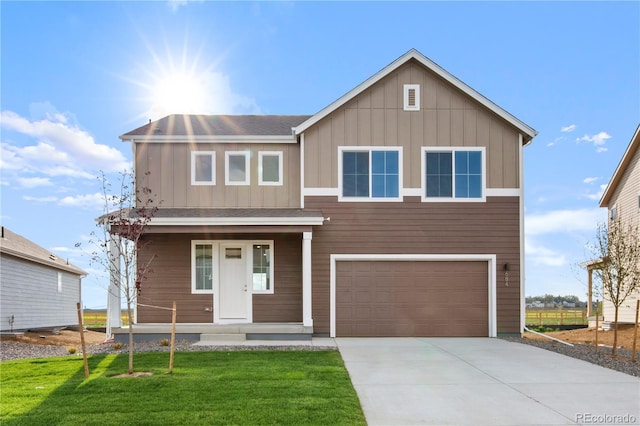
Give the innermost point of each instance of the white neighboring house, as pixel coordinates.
(37, 288)
(622, 199)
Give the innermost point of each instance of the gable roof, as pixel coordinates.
(628, 155)
(217, 127)
(16, 245)
(527, 131)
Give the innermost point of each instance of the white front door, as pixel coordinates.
(234, 294)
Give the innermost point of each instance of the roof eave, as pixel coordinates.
(527, 131)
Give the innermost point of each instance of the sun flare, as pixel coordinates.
(179, 93)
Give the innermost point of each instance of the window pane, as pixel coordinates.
(204, 168)
(237, 168)
(261, 267)
(468, 174)
(204, 267)
(270, 168)
(355, 174)
(384, 178)
(438, 175)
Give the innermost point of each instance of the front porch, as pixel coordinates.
(216, 332)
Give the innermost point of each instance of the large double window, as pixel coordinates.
(370, 173)
(453, 173)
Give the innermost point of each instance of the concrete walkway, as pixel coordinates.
(482, 381)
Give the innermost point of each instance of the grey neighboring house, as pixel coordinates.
(37, 288)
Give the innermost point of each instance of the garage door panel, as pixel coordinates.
(412, 298)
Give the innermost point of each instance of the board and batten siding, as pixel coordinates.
(170, 280)
(447, 117)
(625, 199)
(29, 293)
(169, 167)
(413, 227)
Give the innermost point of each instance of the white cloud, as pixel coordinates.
(569, 128)
(563, 221)
(34, 182)
(89, 201)
(60, 149)
(47, 199)
(596, 196)
(174, 5)
(541, 255)
(598, 140)
(590, 179)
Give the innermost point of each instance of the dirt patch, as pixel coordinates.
(134, 374)
(588, 336)
(64, 338)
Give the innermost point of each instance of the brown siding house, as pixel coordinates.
(395, 211)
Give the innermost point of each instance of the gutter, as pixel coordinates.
(548, 337)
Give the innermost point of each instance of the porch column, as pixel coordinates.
(114, 291)
(590, 292)
(307, 318)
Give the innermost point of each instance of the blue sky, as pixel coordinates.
(76, 75)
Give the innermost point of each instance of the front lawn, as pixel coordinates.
(243, 387)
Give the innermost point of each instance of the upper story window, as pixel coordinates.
(237, 168)
(203, 168)
(412, 97)
(369, 174)
(453, 173)
(270, 168)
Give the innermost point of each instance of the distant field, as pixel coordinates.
(98, 319)
(556, 317)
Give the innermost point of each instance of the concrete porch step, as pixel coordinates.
(219, 337)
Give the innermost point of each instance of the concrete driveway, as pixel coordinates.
(483, 381)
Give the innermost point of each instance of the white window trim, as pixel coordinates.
(407, 106)
(215, 271)
(247, 175)
(194, 154)
(271, 265)
(370, 198)
(261, 155)
(452, 199)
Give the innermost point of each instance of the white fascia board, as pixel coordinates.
(211, 139)
(234, 221)
(620, 169)
(414, 54)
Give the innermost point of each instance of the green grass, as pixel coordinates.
(243, 387)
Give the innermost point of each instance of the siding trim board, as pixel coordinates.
(491, 279)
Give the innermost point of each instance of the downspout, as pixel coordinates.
(548, 337)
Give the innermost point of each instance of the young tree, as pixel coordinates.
(617, 247)
(119, 239)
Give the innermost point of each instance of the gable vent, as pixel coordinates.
(412, 97)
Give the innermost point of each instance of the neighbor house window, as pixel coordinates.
(453, 173)
(412, 97)
(370, 173)
(262, 270)
(270, 168)
(203, 170)
(202, 258)
(237, 168)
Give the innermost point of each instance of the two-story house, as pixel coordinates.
(395, 211)
(622, 200)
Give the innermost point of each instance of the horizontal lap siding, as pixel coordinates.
(170, 280)
(414, 227)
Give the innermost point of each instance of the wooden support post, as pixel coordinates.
(635, 332)
(597, 323)
(173, 336)
(84, 352)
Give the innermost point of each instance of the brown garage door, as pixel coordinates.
(412, 298)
